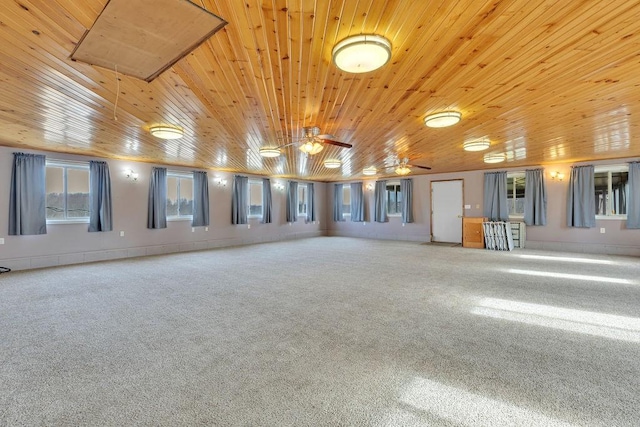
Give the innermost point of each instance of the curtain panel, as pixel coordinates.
(27, 197)
(200, 199)
(380, 208)
(495, 205)
(266, 201)
(633, 203)
(581, 199)
(311, 206)
(535, 198)
(100, 210)
(406, 188)
(157, 203)
(292, 201)
(357, 202)
(239, 198)
(337, 203)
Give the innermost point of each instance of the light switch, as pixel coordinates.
(467, 206)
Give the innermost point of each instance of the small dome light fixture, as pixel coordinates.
(269, 151)
(476, 144)
(361, 53)
(369, 171)
(166, 131)
(442, 119)
(332, 163)
(494, 158)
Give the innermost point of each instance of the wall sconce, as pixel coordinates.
(369, 187)
(278, 186)
(220, 182)
(556, 176)
(130, 174)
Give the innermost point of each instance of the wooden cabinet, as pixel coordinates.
(472, 232)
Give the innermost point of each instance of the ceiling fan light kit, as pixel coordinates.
(311, 147)
(166, 131)
(269, 152)
(403, 170)
(369, 171)
(476, 144)
(442, 119)
(332, 164)
(494, 158)
(362, 53)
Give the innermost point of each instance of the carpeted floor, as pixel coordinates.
(324, 332)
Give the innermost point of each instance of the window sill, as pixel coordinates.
(611, 217)
(394, 215)
(179, 218)
(67, 221)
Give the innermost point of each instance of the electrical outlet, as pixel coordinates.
(206, 229)
(403, 224)
(477, 206)
(248, 225)
(122, 234)
(193, 230)
(1, 240)
(602, 230)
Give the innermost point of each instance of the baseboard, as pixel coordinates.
(587, 248)
(28, 263)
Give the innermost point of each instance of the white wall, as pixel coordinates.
(72, 243)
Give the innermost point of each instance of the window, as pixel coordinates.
(612, 190)
(179, 195)
(515, 193)
(67, 188)
(302, 199)
(255, 198)
(394, 199)
(346, 200)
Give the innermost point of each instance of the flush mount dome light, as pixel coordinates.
(332, 164)
(362, 53)
(269, 152)
(494, 158)
(369, 171)
(442, 119)
(476, 144)
(166, 131)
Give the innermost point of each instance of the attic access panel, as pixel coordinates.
(143, 38)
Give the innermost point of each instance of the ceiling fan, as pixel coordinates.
(400, 166)
(312, 143)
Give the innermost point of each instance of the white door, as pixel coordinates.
(446, 211)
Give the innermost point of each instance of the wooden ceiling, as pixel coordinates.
(546, 81)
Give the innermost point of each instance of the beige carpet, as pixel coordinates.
(324, 332)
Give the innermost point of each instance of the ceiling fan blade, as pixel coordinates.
(338, 143)
(418, 166)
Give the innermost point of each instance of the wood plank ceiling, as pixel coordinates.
(546, 81)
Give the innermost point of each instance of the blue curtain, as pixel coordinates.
(239, 198)
(266, 201)
(633, 204)
(380, 211)
(311, 208)
(157, 204)
(357, 202)
(495, 205)
(27, 200)
(100, 212)
(406, 188)
(292, 201)
(535, 198)
(337, 203)
(581, 199)
(200, 199)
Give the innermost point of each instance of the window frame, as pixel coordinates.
(306, 199)
(386, 197)
(180, 175)
(66, 165)
(259, 183)
(346, 187)
(515, 175)
(609, 169)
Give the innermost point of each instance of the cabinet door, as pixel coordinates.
(472, 236)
